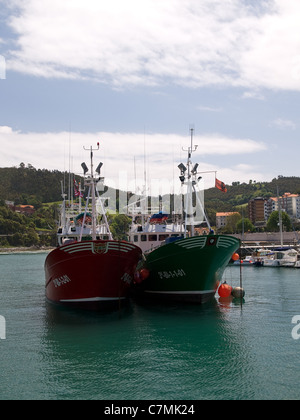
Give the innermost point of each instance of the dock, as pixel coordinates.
(254, 241)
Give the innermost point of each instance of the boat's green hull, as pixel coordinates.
(189, 269)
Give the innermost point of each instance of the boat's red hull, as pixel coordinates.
(92, 274)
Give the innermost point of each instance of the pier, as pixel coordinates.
(253, 241)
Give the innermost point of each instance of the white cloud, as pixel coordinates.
(272, 60)
(283, 124)
(217, 144)
(243, 173)
(117, 151)
(147, 42)
(5, 130)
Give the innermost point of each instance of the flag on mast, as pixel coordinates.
(221, 186)
(77, 191)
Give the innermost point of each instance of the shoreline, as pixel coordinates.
(25, 250)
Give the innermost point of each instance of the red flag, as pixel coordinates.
(221, 186)
(77, 190)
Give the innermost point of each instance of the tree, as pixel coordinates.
(231, 223)
(273, 222)
(16, 240)
(120, 226)
(245, 225)
(31, 238)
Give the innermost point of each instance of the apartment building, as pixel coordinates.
(291, 204)
(260, 209)
(257, 209)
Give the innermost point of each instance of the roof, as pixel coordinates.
(25, 206)
(226, 214)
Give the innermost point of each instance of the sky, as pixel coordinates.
(136, 75)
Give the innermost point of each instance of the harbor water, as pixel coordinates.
(221, 350)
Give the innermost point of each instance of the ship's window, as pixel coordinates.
(152, 238)
(136, 238)
(163, 237)
(68, 240)
(143, 238)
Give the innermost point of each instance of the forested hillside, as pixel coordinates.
(240, 194)
(41, 188)
(28, 185)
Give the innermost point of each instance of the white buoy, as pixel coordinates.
(238, 292)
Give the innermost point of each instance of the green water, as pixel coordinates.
(216, 351)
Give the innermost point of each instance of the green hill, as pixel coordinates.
(28, 185)
(240, 194)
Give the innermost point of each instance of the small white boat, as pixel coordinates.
(261, 255)
(282, 257)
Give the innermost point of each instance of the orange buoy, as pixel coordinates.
(144, 273)
(225, 290)
(141, 275)
(235, 257)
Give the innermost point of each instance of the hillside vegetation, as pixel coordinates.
(37, 187)
(28, 185)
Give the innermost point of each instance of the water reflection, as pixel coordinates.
(147, 352)
(60, 315)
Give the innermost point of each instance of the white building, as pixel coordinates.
(290, 203)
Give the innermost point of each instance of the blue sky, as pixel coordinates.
(136, 75)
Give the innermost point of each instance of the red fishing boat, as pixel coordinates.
(89, 269)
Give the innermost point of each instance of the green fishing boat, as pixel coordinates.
(189, 269)
(185, 267)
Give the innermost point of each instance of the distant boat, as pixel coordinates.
(261, 255)
(248, 260)
(89, 269)
(282, 257)
(183, 267)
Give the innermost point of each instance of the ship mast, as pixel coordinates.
(189, 183)
(91, 182)
(280, 218)
(190, 180)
